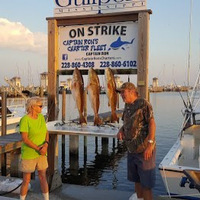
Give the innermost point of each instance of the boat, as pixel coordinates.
(184, 156)
(13, 117)
(180, 168)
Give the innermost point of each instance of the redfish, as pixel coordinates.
(77, 88)
(93, 88)
(111, 93)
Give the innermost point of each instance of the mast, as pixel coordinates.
(189, 52)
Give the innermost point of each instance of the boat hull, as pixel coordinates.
(184, 155)
(12, 125)
(172, 180)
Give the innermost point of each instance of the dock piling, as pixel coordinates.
(3, 129)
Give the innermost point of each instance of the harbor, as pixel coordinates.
(15, 89)
(107, 182)
(88, 60)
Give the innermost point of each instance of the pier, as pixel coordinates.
(10, 144)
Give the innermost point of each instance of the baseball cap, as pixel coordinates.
(127, 85)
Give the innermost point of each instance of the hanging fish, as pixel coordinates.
(111, 93)
(77, 88)
(93, 88)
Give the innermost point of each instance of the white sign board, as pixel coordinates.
(113, 45)
(88, 7)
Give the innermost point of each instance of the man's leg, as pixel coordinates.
(138, 190)
(147, 194)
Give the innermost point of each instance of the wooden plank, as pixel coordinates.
(14, 136)
(10, 142)
(3, 113)
(94, 19)
(52, 70)
(10, 147)
(143, 54)
(98, 71)
(53, 102)
(3, 140)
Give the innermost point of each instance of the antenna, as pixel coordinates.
(189, 52)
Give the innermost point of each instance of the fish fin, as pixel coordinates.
(119, 39)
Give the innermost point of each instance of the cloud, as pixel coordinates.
(15, 35)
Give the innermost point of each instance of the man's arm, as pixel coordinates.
(120, 134)
(152, 129)
(151, 136)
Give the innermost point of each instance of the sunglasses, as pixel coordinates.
(40, 106)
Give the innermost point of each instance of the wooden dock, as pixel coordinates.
(10, 144)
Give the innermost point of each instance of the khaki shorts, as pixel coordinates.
(29, 166)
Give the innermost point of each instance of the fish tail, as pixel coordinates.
(98, 121)
(114, 117)
(82, 120)
(132, 40)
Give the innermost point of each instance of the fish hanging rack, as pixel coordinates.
(98, 71)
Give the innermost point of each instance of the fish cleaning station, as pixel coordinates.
(94, 39)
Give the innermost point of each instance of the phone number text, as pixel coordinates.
(103, 64)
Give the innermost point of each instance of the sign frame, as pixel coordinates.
(99, 46)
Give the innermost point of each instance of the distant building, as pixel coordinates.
(155, 82)
(16, 81)
(63, 84)
(155, 87)
(118, 81)
(66, 84)
(69, 83)
(44, 80)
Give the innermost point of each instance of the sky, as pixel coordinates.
(23, 40)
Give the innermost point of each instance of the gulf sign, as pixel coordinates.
(90, 7)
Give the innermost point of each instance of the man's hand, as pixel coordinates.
(120, 135)
(149, 151)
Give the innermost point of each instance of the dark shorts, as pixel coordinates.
(140, 170)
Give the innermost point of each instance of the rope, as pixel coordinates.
(166, 183)
(4, 193)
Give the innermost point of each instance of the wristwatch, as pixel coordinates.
(150, 141)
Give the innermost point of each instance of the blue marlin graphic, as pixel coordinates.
(119, 44)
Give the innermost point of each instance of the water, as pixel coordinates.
(105, 166)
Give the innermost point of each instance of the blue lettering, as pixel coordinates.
(64, 5)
